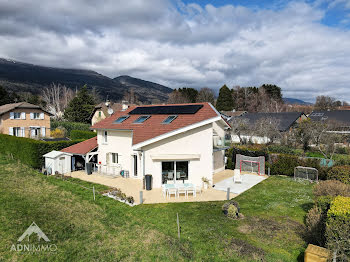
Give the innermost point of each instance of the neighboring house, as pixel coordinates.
(228, 114)
(286, 121)
(100, 111)
(173, 143)
(341, 119)
(24, 120)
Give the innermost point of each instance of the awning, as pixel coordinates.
(176, 157)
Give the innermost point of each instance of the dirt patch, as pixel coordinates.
(266, 227)
(243, 248)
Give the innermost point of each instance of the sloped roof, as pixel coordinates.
(54, 154)
(153, 127)
(115, 106)
(341, 116)
(286, 119)
(8, 107)
(82, 148)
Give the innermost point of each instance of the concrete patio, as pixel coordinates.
(132, 187)
(226, 181)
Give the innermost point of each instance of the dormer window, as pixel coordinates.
(121, 119)
(141, 119)
(169, 119)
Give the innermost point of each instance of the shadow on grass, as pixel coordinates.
(307, 206)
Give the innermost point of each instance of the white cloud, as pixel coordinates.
(183, 45)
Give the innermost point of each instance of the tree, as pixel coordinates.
(131, 96)
(325, 103)
(7, 98)
(240, 127)
(267, 128)
(225, 100)
(273, 91)
(303, 133)
(176, 97)
(206, 95)
(189, 93)
(57, 98)
(80, 107)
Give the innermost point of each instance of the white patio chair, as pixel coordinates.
(172, 191)
(182, 190)
(164, 191)
(191, 190)
(237, 178)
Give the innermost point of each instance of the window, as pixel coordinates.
(121, 119)
(36, 115)
(141, 119)
(169, 119)
(34, 131)
(17, 115)
(115, 158)
(99, 113)
(105, 136)
(17, 131)
(174, 171)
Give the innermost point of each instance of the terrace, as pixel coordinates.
(132, 187)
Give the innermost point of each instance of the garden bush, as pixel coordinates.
(338, 228)
(331, 188)
(58, 133)
(340, 173)
(69, 126)
(80, 134)
(231, 209)
(316, 226)
(281, 149)
(30, 151)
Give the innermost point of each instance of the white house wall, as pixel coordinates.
(255, 139)
(117, 142)
(197, 141)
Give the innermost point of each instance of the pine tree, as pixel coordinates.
(80, 107)
(225, 99)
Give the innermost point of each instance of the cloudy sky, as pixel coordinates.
(302, 46)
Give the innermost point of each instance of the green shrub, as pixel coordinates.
(281, 149)
(324, 203)
(30, 151)
(340, 173)
(80, 134)
(316, 226)
(331, 188)
(69, 126)
(232, 212)
(337, 228)
(231, 209)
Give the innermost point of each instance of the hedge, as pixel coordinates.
(30, 151)
(340, 173)
(338, 228)
(80, 134)
(69, 126)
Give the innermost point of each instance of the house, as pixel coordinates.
(174, 143)
(286, 120)
(100, 111)
(24, 120)
(341, 118)
(229, 114)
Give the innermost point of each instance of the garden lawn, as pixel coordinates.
(104, 229)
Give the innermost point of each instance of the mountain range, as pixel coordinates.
(23, 77)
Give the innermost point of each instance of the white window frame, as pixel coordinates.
(116, 158)
(36, 115)
(16, 115)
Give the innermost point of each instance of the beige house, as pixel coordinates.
(174, 143)
(24, 120)
(104, 110)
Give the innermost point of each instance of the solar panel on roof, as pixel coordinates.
(166, 110)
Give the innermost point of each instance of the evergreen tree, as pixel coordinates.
(7, 98)
(225, 99)
(189, 93)
(80, 107)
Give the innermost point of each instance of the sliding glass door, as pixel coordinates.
(174, 172)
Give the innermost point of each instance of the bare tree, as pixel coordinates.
(131, 96)
(176, 97)
(240, 127)
(57, 98)
(325, 103)
(325, 137)
(206, 95)
(267, 128)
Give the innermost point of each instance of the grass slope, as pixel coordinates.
(87, 230)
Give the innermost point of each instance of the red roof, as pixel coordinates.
(82, 148)
(153, 126)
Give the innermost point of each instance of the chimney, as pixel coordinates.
(125, 105)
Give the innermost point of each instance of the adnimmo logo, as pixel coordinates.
(32, 247)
